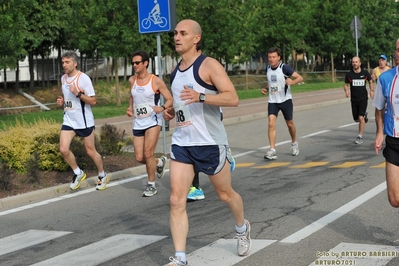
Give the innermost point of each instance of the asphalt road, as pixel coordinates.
(328, 204)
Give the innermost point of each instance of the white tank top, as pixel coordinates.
(144, 98)
(279, 92)
(77, 114)
(197, 124)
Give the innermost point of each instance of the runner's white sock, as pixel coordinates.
(182, 256)
(159, 162)
(77, 171)
(241, 229)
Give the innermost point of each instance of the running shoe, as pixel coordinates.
(195, 194)
(359, 140)
(366, 119)
(149, 191)
(102, 182)
(244, 240)
(271, 155)
(160, 169)
(175, 261)
(294, 149)
(77, 179)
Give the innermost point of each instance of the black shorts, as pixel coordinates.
(209, 160)
(85, 132)
(359, 108)
(141, 132)
(391, 150)
(287, 108)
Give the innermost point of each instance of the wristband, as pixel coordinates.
(163, 106)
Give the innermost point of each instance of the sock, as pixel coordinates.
(294, 143)
(151, 183)
(241, 229)
(102, 174)
(182, 256)
(360, 136)
(77, 171)
(273, 149)
(159, 162)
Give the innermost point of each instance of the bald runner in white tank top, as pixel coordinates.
(197, 124)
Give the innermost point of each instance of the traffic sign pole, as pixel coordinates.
(356, 26)
(155, 17)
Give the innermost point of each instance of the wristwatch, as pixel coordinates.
(79, 94)
(202, 97)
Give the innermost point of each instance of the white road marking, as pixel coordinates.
(347, 125)
(331, 217)
(223, 252)
(316, 133)
(28, 238)
(75, 194)
(94, 254)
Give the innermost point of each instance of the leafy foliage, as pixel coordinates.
(233, 31)
(112, 139)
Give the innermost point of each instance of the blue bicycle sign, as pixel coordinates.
(156, 15)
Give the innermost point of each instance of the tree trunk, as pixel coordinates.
(60, 69)
(16, 76)
(31, 72)
(117, 89)
(42, 78)
(125, 69)
(5, 79)
(332, 68)
(96, 70)
(257, 71)
(107, 70)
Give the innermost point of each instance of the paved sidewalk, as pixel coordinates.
(246, 111)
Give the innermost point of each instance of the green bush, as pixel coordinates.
(112, 140)
(30, 147)
(6, 177)
(18, 142)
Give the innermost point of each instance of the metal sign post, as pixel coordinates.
(154, 17)
(356, 26)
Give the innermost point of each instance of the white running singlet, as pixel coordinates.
(197, 124)
(279, 92)
(77, 114)
(144, 99)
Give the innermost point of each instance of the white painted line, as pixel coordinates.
(329, 218)
(347, 125)
(316, 133)
(223, 252)
(28, 238)
(277, 144)
(243, 154)
(72, 195)
(102, 251)
(357, 254)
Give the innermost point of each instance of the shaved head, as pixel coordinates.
(194, 25)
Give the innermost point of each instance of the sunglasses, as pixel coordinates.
(136, 62)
